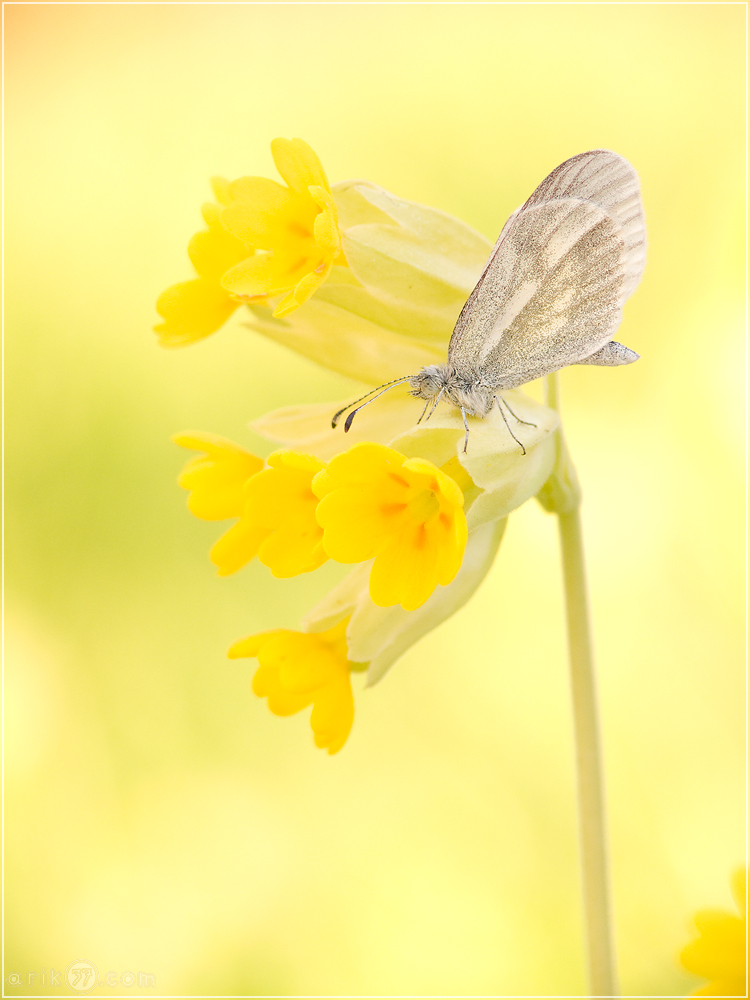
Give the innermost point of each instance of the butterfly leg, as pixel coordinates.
(504, 400)
(434, 405)
(466, 425)
(421, 416)
(502, 414)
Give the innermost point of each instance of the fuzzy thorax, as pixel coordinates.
(464, 390)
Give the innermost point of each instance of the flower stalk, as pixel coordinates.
(562, 495)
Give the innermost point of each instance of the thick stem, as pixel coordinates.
(593, 833)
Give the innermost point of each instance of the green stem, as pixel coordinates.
(564, 496)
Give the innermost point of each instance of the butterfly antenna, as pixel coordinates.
(512, 413)
(508, 425)
(386, 385)
(389, 385)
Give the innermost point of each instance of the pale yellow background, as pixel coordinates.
(160, 819)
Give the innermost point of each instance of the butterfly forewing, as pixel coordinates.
(549, 296)
(606, 179)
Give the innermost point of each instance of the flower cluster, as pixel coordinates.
(719, 953)
(296, 511)
(370, 286)
(263, 242)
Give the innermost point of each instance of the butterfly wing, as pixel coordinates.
(550, 295)
(552, 291)
(606, 179)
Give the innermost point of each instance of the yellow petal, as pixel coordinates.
(404, 574)
(237, 547)
(255, 207)
(218, 479)
(211, 213)
(325, 200)
(256, 276)
(213, 444)
(439, 480)
(252, 644)
(220, 188)
(354, 523)
(302, 291)
(281, 701)
(279, 501)
(288, 552)
(359, 464)
(326, 228)
(333, 714)
(295, 460)
(298, 164)
(305, 662)
(192, 310)
(213, 251)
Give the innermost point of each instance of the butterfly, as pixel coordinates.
(551, 293)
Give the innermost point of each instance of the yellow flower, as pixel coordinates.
(294, 230)
(719, 953)
(194, 309)
(405, 513)
(275, 506)
(298, 669)
(218, 478)
(268, 240)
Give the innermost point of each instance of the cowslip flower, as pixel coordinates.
(719, 953)
(298, 669)
(294, 230)
(264, 242)
(275, 505)
(405, 513)
(217, 478)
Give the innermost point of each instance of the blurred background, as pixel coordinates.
(159, 819)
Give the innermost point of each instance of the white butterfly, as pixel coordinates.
(551, 294)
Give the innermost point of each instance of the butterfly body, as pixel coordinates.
(463, 387)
